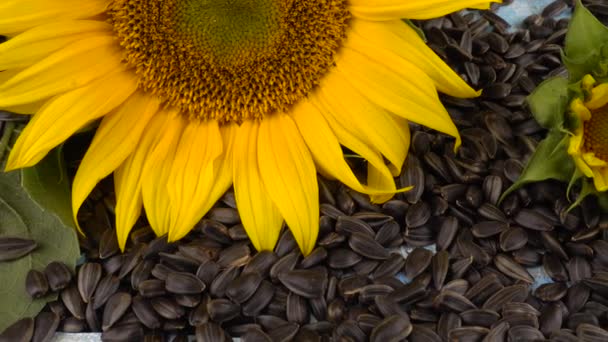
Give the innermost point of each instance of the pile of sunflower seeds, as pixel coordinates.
(465, 274)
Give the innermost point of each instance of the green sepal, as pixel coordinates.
(602, 200)
(416, 28)
(548, 102)
(588, 188)
(584, 42)
(549, 161)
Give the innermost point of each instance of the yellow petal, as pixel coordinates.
(376, 179)
(343, 131)
(578, 108)
(325, 147)
(593, 161)
(599, 97)
(411, 9)
(29, 108)
(31, 46)
(73, 66)
(20, 15)
(376, 38)
(191, 177)
(366, 120)
(413, 98)
(156, 171)
(65, 114)
(600, 178)
(582, 166)
(114, 141)
(127, 179)
(222, 167)
(261, 218)
(290, 178)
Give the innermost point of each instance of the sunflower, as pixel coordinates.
(588, 144)
(197, 95)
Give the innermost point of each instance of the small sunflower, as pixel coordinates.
(199, 95)
(588, 144)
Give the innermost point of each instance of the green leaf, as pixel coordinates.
(549, 101)
(49, 186)
(585, 34)
(21, 216)
(549, 161)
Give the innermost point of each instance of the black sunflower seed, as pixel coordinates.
(12, 248)
(36, 284)
(20, 331)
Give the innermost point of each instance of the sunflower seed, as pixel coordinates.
(479, 317)
(393, 328)
(551, 319)
(447, 233)
(151, 288)
(260, 299)
(255, 335)
(554, 9)
(36, 284)
(563, 335)
(551, 292)
(554, 268)
(441, 263)
(498, 333)
(22, 330)
(447, 322)
(211, 332)
(167, 308)
(509, 294)
(453, 301)
(578, 269)
(72, 301)
(366, 246)
(512, 269)
(89, 276)
(220, 283)
(141, 272)
(115, 308)
(235, 255)
(45, 326)
(485, 229)
(412, 175)
(342, 258)
(467, 334)
(483, 289)
(417, 262)
(388, 267)
(243, 287)
(576, 297)
(524, 333)
(260, 263)
(184, 283)
(221, 310)
(591, 333)
(348, 225)
(530, 219)
(145, 313)
(12, 248)
(72, 325)
(106, 287)
(58, 275)
(513, 239)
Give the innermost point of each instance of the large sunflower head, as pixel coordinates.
(588, 145)
(195, 96)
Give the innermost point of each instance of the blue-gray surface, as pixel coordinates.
(514, 14)
(520, 9)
